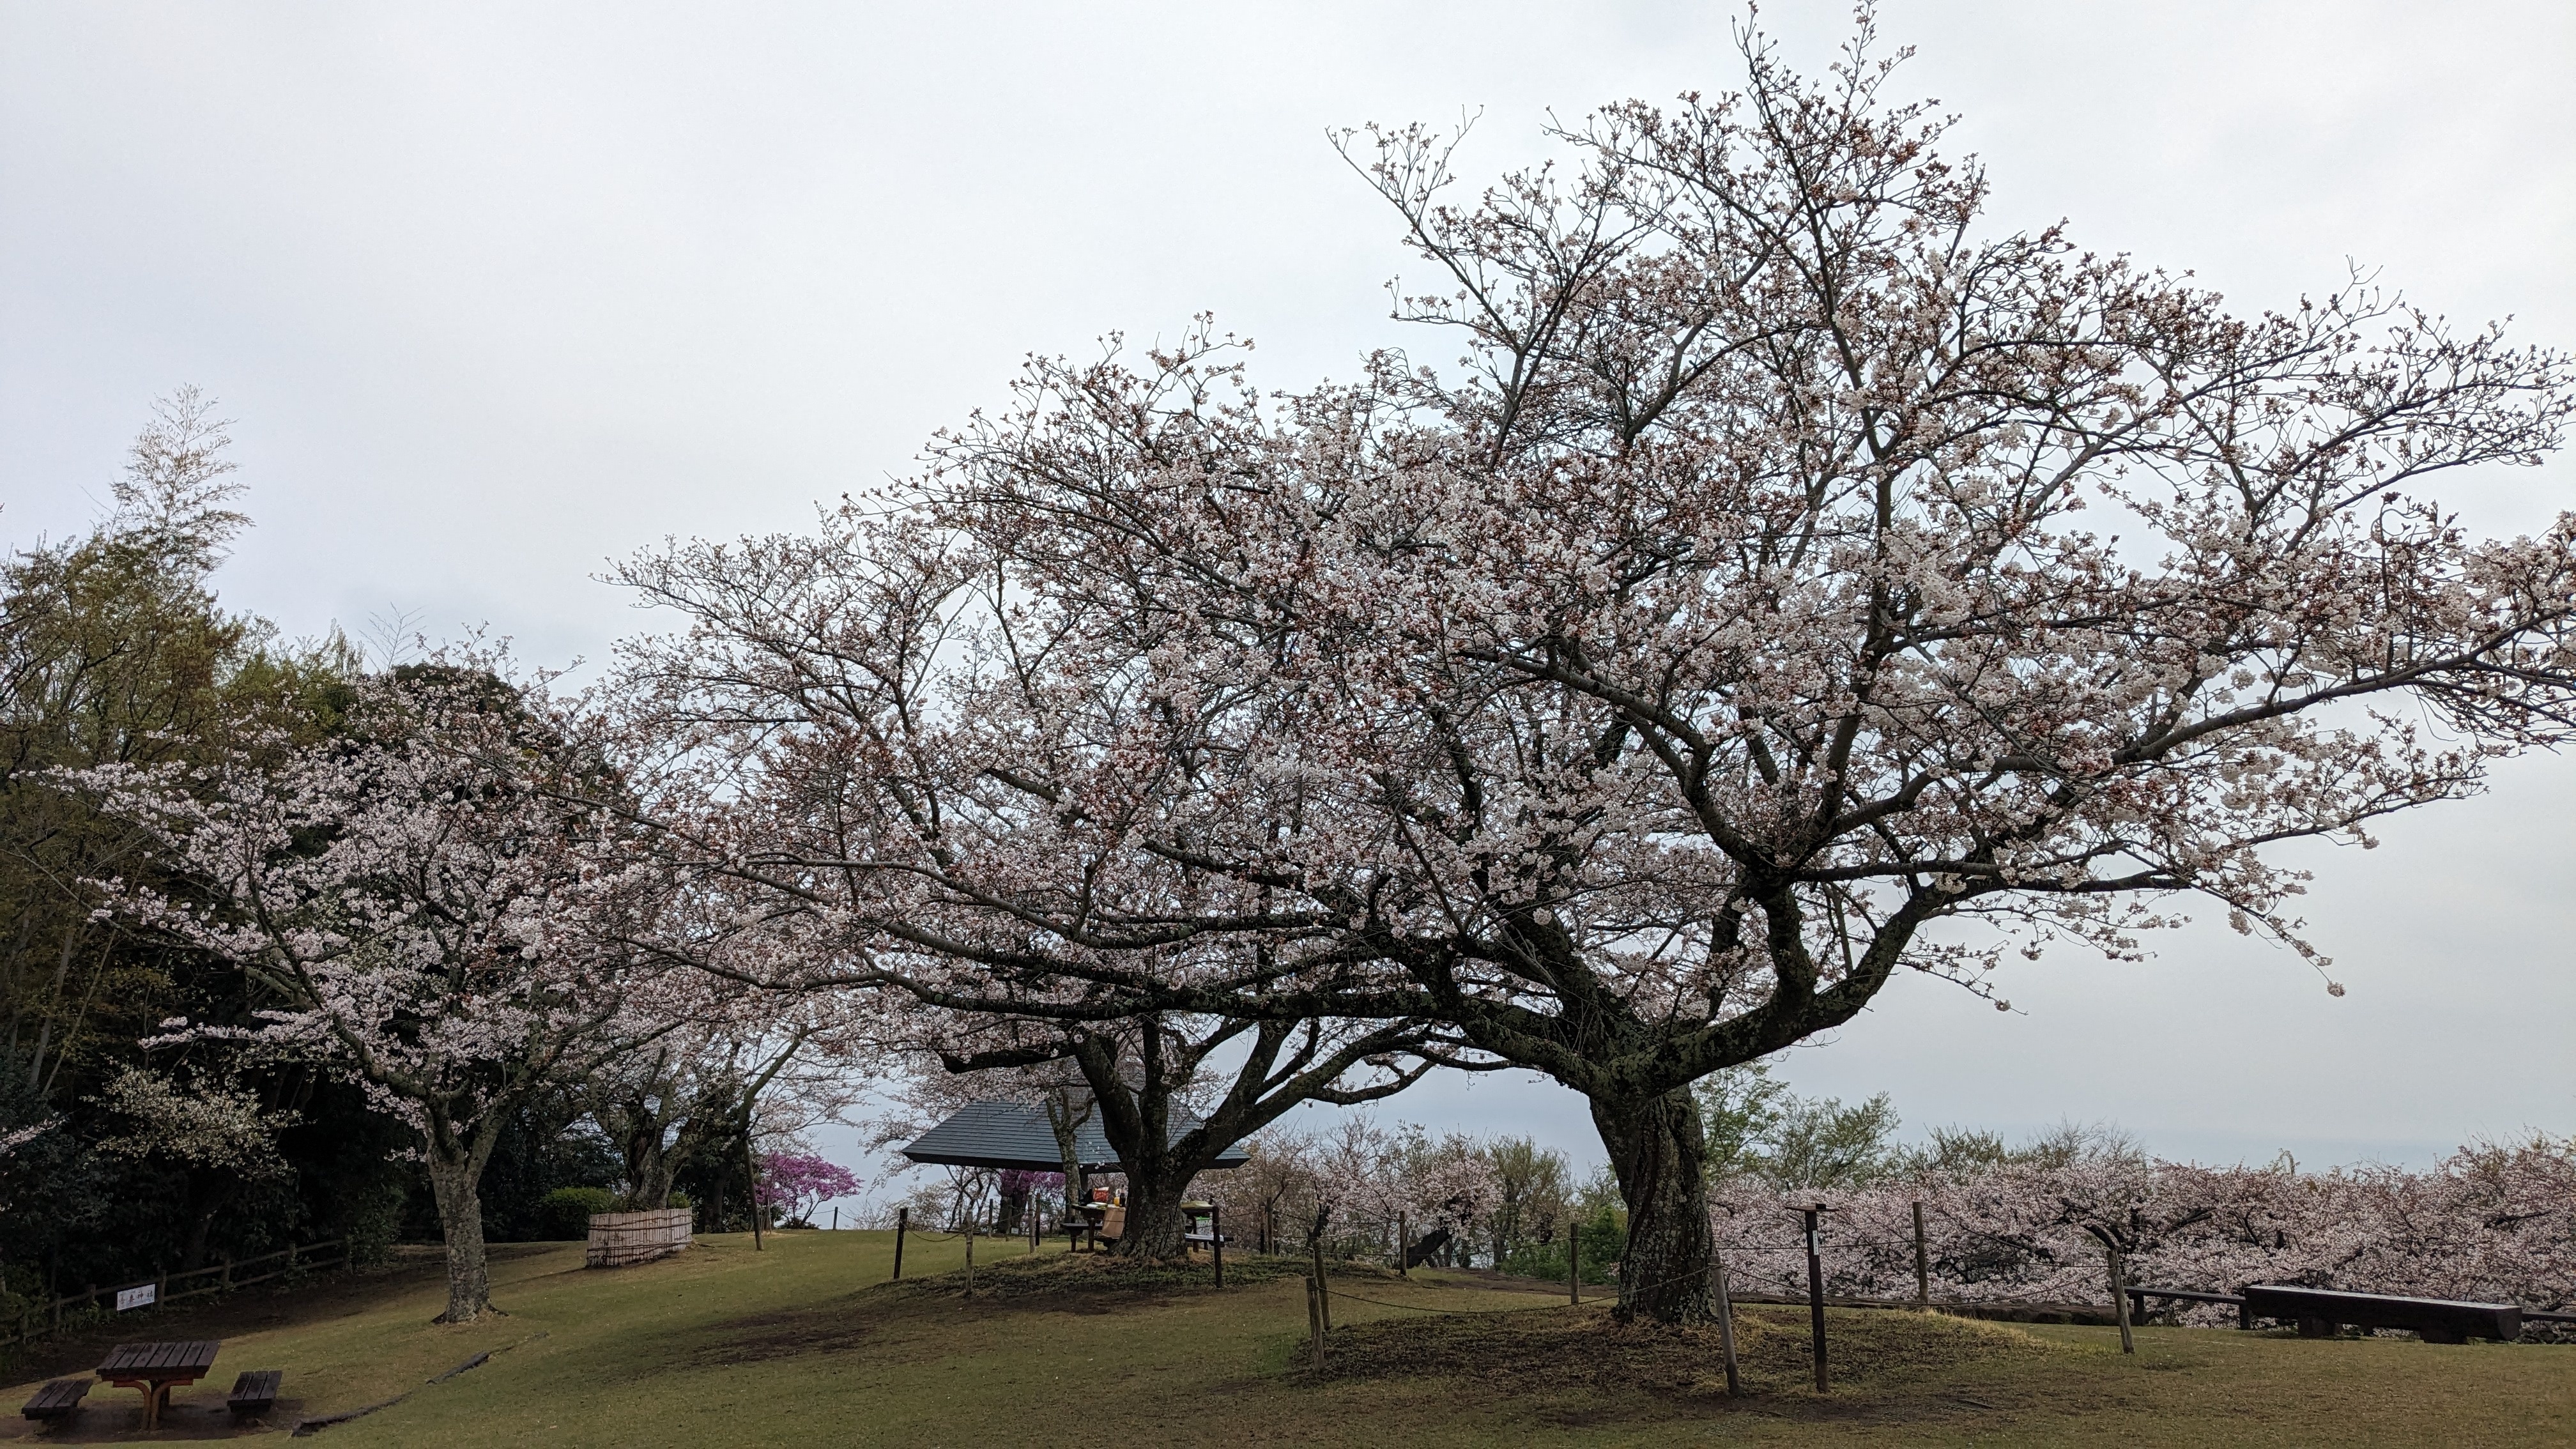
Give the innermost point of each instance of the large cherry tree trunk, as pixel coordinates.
(1155, 1188)
(454, 1181)
(1660, 1155)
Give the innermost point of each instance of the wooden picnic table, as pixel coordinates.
(157, 1368)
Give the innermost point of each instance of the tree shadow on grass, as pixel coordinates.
(914, 1319)
(1587, 1369)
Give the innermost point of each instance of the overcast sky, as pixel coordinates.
(500, 292)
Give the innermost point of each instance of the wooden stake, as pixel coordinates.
(1726, 1326)
(2120, 1301)
(1323, 1295)
(1922, 1264)
(902, 1224)
(1816, 1297)
(1573, 1263)
(751, 1173)
(970, 1255)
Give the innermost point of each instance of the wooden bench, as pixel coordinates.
(254, 1391)
(1095, 1224)
(58, 1399)
(2138, 1299)
(2436, 1320)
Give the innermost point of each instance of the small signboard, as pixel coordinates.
(137, 1297)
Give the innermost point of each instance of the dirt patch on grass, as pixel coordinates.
(795, 1333)
(1552, 1350)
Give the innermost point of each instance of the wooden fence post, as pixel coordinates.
(902, 1224)
(1323, 1295)
(1403, 1246)
(970, 1255)
(2120, 1301)
(1816, 1296)
(1922, 1263)
(1573, 1263)
(1315, 1320)
(1726, 1325)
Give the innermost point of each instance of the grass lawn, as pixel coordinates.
(805, 1345)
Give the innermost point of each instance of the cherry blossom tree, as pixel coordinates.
(1799, 581)
(1796, 564)
(742, 1062)
(951, 818)
(423, 909)
(2494, 1222)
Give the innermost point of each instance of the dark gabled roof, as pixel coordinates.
(1016, 1135)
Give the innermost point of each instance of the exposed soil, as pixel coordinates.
(1545, 1351)
(792, 1333)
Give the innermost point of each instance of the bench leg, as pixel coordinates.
(2442, 1335)
(2316, 1328)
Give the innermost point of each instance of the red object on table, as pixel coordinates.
(157, 1368)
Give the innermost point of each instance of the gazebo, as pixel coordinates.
(1017, 1135)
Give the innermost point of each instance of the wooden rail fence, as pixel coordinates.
(42, 1317)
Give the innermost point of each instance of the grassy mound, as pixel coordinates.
(1541, 1350)
(1076, 1274)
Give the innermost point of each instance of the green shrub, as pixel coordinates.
(565, 1212)
(1604, 1235)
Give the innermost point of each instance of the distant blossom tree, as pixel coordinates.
(427, 912)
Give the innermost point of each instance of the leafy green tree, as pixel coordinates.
(1758, 1127)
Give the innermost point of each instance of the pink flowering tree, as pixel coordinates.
(426, 907)
(1801, 580)
(800, 1182)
